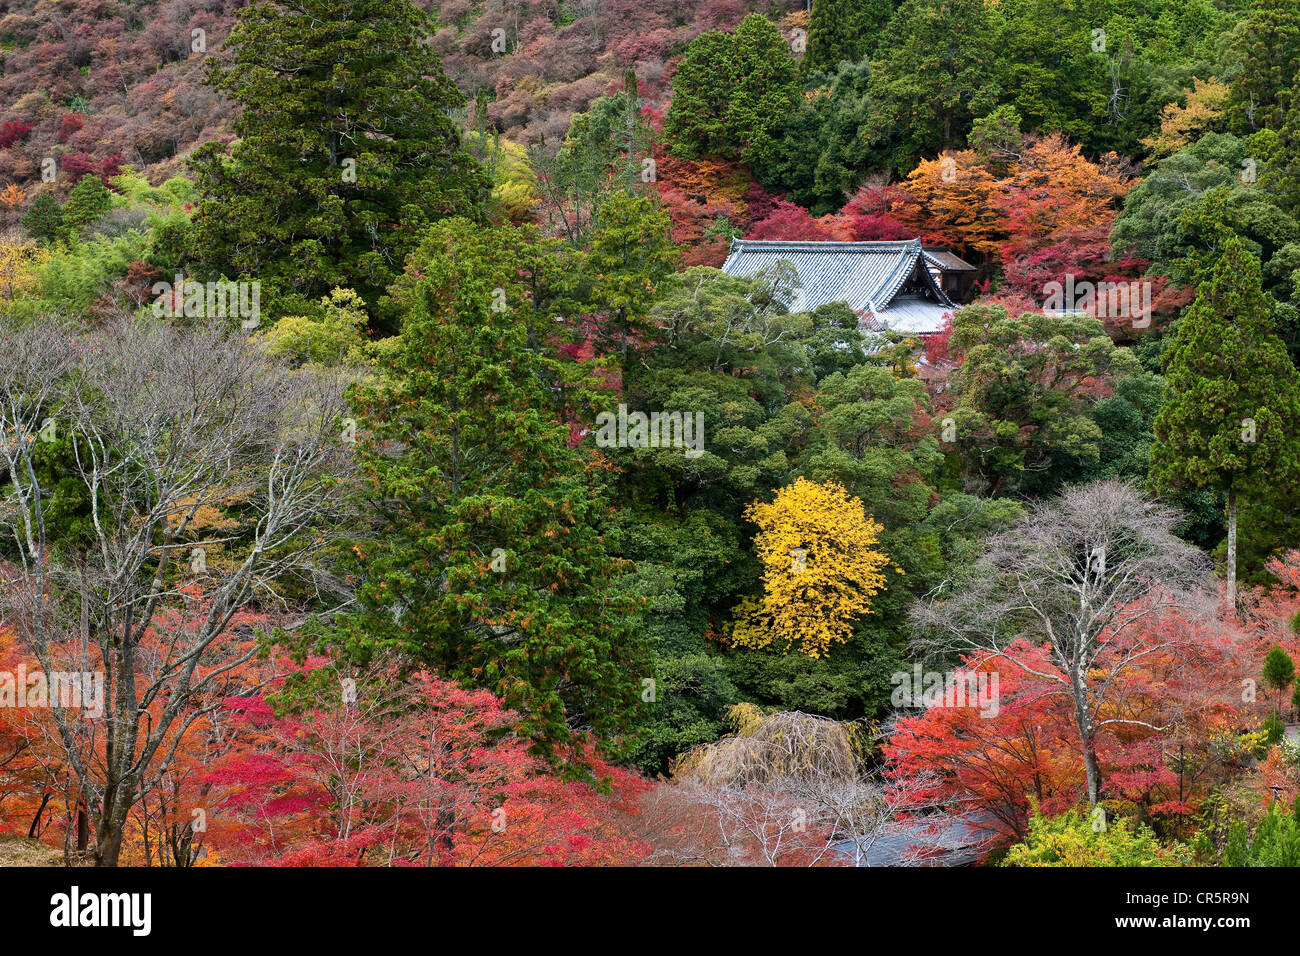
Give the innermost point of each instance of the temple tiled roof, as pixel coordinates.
(947, 261)
(868, 276)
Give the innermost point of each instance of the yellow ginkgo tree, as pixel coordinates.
(821, 568)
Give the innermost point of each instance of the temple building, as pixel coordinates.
(898, 285)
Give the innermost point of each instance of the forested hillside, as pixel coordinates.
(389, 453)
(131, 74)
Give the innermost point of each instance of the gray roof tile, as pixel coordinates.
(866, 275)
(947, 261)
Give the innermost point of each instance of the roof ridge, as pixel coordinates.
(864, 245)
(933, 253)
(865, 274)
(902, 269)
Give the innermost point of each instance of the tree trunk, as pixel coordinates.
(1093, 771)
(1087, 740)
(35, 828)
(182, 845)
(83, 827)
(110, 826)
(1230, 598)
(108, 840)
(446, 824)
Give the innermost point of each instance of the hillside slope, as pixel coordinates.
(113, 78)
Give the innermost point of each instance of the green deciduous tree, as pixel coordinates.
(335, 337)
(1024, 392)
(1178, 216)
(1213, 171)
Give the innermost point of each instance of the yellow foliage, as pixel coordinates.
(515, 199)
(20, 262)
(745, 717)
(206, 518)
(514, 184)
(1074, 839)
(337, 338)
(820, 568)
(1180, 125)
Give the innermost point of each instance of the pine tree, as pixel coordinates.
(630, 254)
(732, 94)
(1237, 850)
(696, 123)
(44, 218)
(1231, 419)
(933, 75)
(1266, 49)
(346, 153)
(1279, 671)
(843, 31)
(1285, 162)
(489, 562)
(766, 89)
(89, 200)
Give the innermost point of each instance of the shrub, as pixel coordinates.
(1071, 839)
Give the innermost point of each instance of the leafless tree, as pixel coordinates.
(1088, 575)
(867, 812)
(789, 789)
(164, 426)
